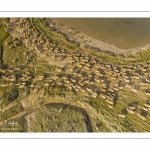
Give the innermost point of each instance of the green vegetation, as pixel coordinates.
(15, 53)
(8, 96)
(10, 112)
(113, 121)
(139, 57)
(30, 85)
(132, 123)
(44, 30)
(57, 118)
(3, 34)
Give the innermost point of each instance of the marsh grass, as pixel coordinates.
(53, 35)
(132, 123)
(10, 112)
(51, 118)
(140, 57)
(59, 118)
(3, 34)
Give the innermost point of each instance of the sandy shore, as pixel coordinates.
(86, 41)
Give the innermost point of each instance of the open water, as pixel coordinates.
(121, 32)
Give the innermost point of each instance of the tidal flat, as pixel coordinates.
(122, 32)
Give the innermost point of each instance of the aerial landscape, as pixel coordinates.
(74, 74)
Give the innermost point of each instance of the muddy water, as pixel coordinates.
(121, 32)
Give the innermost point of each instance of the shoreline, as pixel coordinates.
(86, 41)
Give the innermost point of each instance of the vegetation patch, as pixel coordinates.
(58, 118)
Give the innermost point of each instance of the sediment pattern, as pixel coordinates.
(45, 60)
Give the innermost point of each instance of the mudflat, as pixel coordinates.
(121, 32)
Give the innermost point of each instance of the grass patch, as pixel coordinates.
(53, 35)
(57, 118)
(140, 57)
(3, 34)
(14, 56)
(11, 112)
(116, 123)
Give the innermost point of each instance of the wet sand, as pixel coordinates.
(129, 37)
